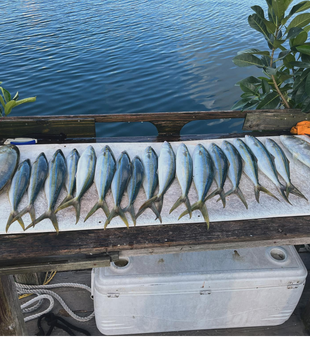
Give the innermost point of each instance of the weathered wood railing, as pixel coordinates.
(166, 123)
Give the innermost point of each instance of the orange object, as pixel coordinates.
(301, 128)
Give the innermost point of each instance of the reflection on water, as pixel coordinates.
(94, 56)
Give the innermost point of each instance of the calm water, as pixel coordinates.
(92, 57)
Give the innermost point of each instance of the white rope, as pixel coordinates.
(43, 289)
(40, 299)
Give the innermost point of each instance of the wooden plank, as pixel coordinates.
(37, 127)
(163, 238)
(24, 268)
(28, 278)
(11, 318)
(280, 121)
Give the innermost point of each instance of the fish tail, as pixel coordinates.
(100, 204)
(203, 209)
(282, 190)
(147, 203)
(48, 214)
(291, 189)
(131, 211)
(160, 201)
(239, 193)
(180, 200)
(66, 199)
(156, 212)
(29, 209)
(11, 220)
(75, 202)
(218, 191)
(258, 188)
(116, 211)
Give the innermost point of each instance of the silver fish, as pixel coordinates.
(166, 174)
(282, 166)
(234, 170)
(203, 172)
(220, 171)
(38, 176)
(134, 186)
(250, 168)
(72, 162)
(184, 172)
(105, 169)
(84, 179)
(299, 148)
(265, 162)
(150, 180)
(55, 180)
(9, 159)
(119, 184)
(18, 187)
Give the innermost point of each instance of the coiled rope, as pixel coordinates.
(43, 292)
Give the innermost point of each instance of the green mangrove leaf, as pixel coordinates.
(259, 11)
(300, 21)
(271, 27)
(283, 54)
(293, 32)
(307, 28)
(240, 104)
(258, 24)
(300, 64)
(2, 101)
(253, 51)
(249, 80)
(265, 86)
(305, 49)
(287, 61)
(302, 6)
(299, 40)
(280, 7)
(9, 106)
(271, 71)
(270, 101)
(6, 94)
(244, 60)
(248, 87)
(26, 100)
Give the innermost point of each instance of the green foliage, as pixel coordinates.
(286, 62)
(8, 103)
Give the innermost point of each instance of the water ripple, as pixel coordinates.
(92, 56)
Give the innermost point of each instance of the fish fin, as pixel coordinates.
(147, 203)
(75, 202)
(48, 214)
(156, 212)
(180, 200)
(131, 211)
(259, 188)
(239, 193)
(29, 209)
(66, 199)
(160, 200)
(116, 211)
(203, 209)
(282, 190)
(220, 192)
(100, 204)
(291, 189)
(11, 220)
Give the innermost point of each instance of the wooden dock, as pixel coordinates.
(26, 253)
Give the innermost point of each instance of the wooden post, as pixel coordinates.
(11, 317)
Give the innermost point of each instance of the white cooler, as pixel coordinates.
(198, 290)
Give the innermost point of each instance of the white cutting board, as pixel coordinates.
(234, 210)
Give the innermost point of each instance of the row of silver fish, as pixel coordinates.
(216, 163)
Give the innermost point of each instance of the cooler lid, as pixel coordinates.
(247, 267)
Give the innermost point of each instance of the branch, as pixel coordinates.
(280, 93)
